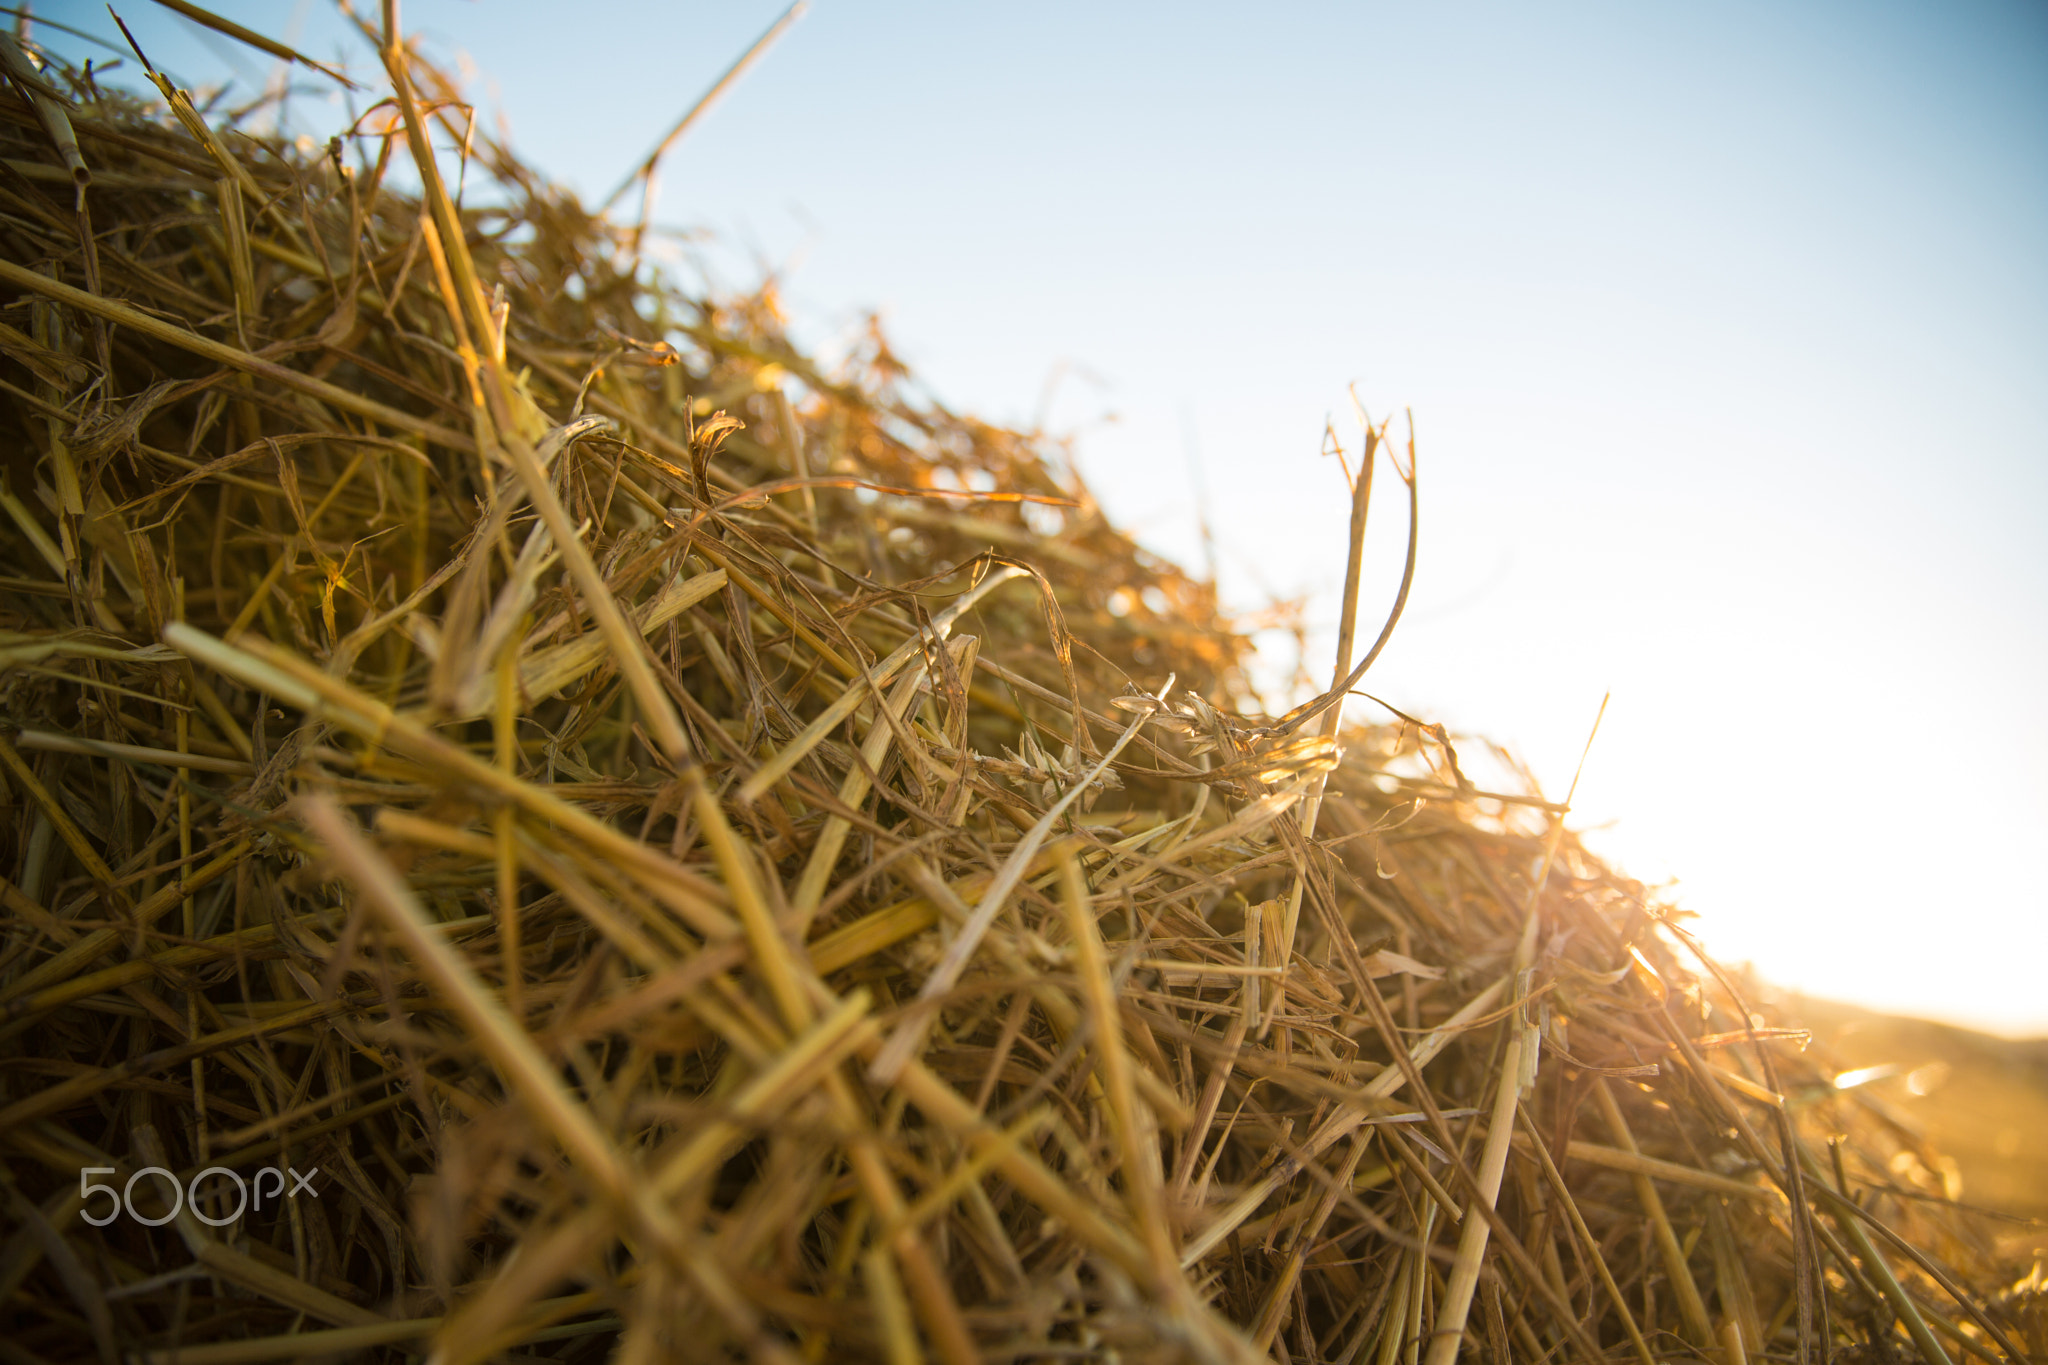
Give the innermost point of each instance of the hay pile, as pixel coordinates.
(689, 856)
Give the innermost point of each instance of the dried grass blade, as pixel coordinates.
(909, 1035)
(1338, 1126)
(1449, 1333)
(774, 769)
(230, 29)
(628, 651)
(220, 353)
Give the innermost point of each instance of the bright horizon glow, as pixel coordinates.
(1726, 336)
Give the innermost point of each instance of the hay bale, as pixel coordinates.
(632, 843)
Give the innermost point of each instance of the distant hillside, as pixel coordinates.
(1982, 1100)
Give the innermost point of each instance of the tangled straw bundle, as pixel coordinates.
(682, 855)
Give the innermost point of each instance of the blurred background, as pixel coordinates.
(1724, 331)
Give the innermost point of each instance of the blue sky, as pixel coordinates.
(1725, 330)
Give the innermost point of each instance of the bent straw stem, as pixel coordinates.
(645, 170)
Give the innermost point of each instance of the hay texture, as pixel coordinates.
(706, 857)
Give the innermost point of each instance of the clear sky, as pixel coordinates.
(1725, 329)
